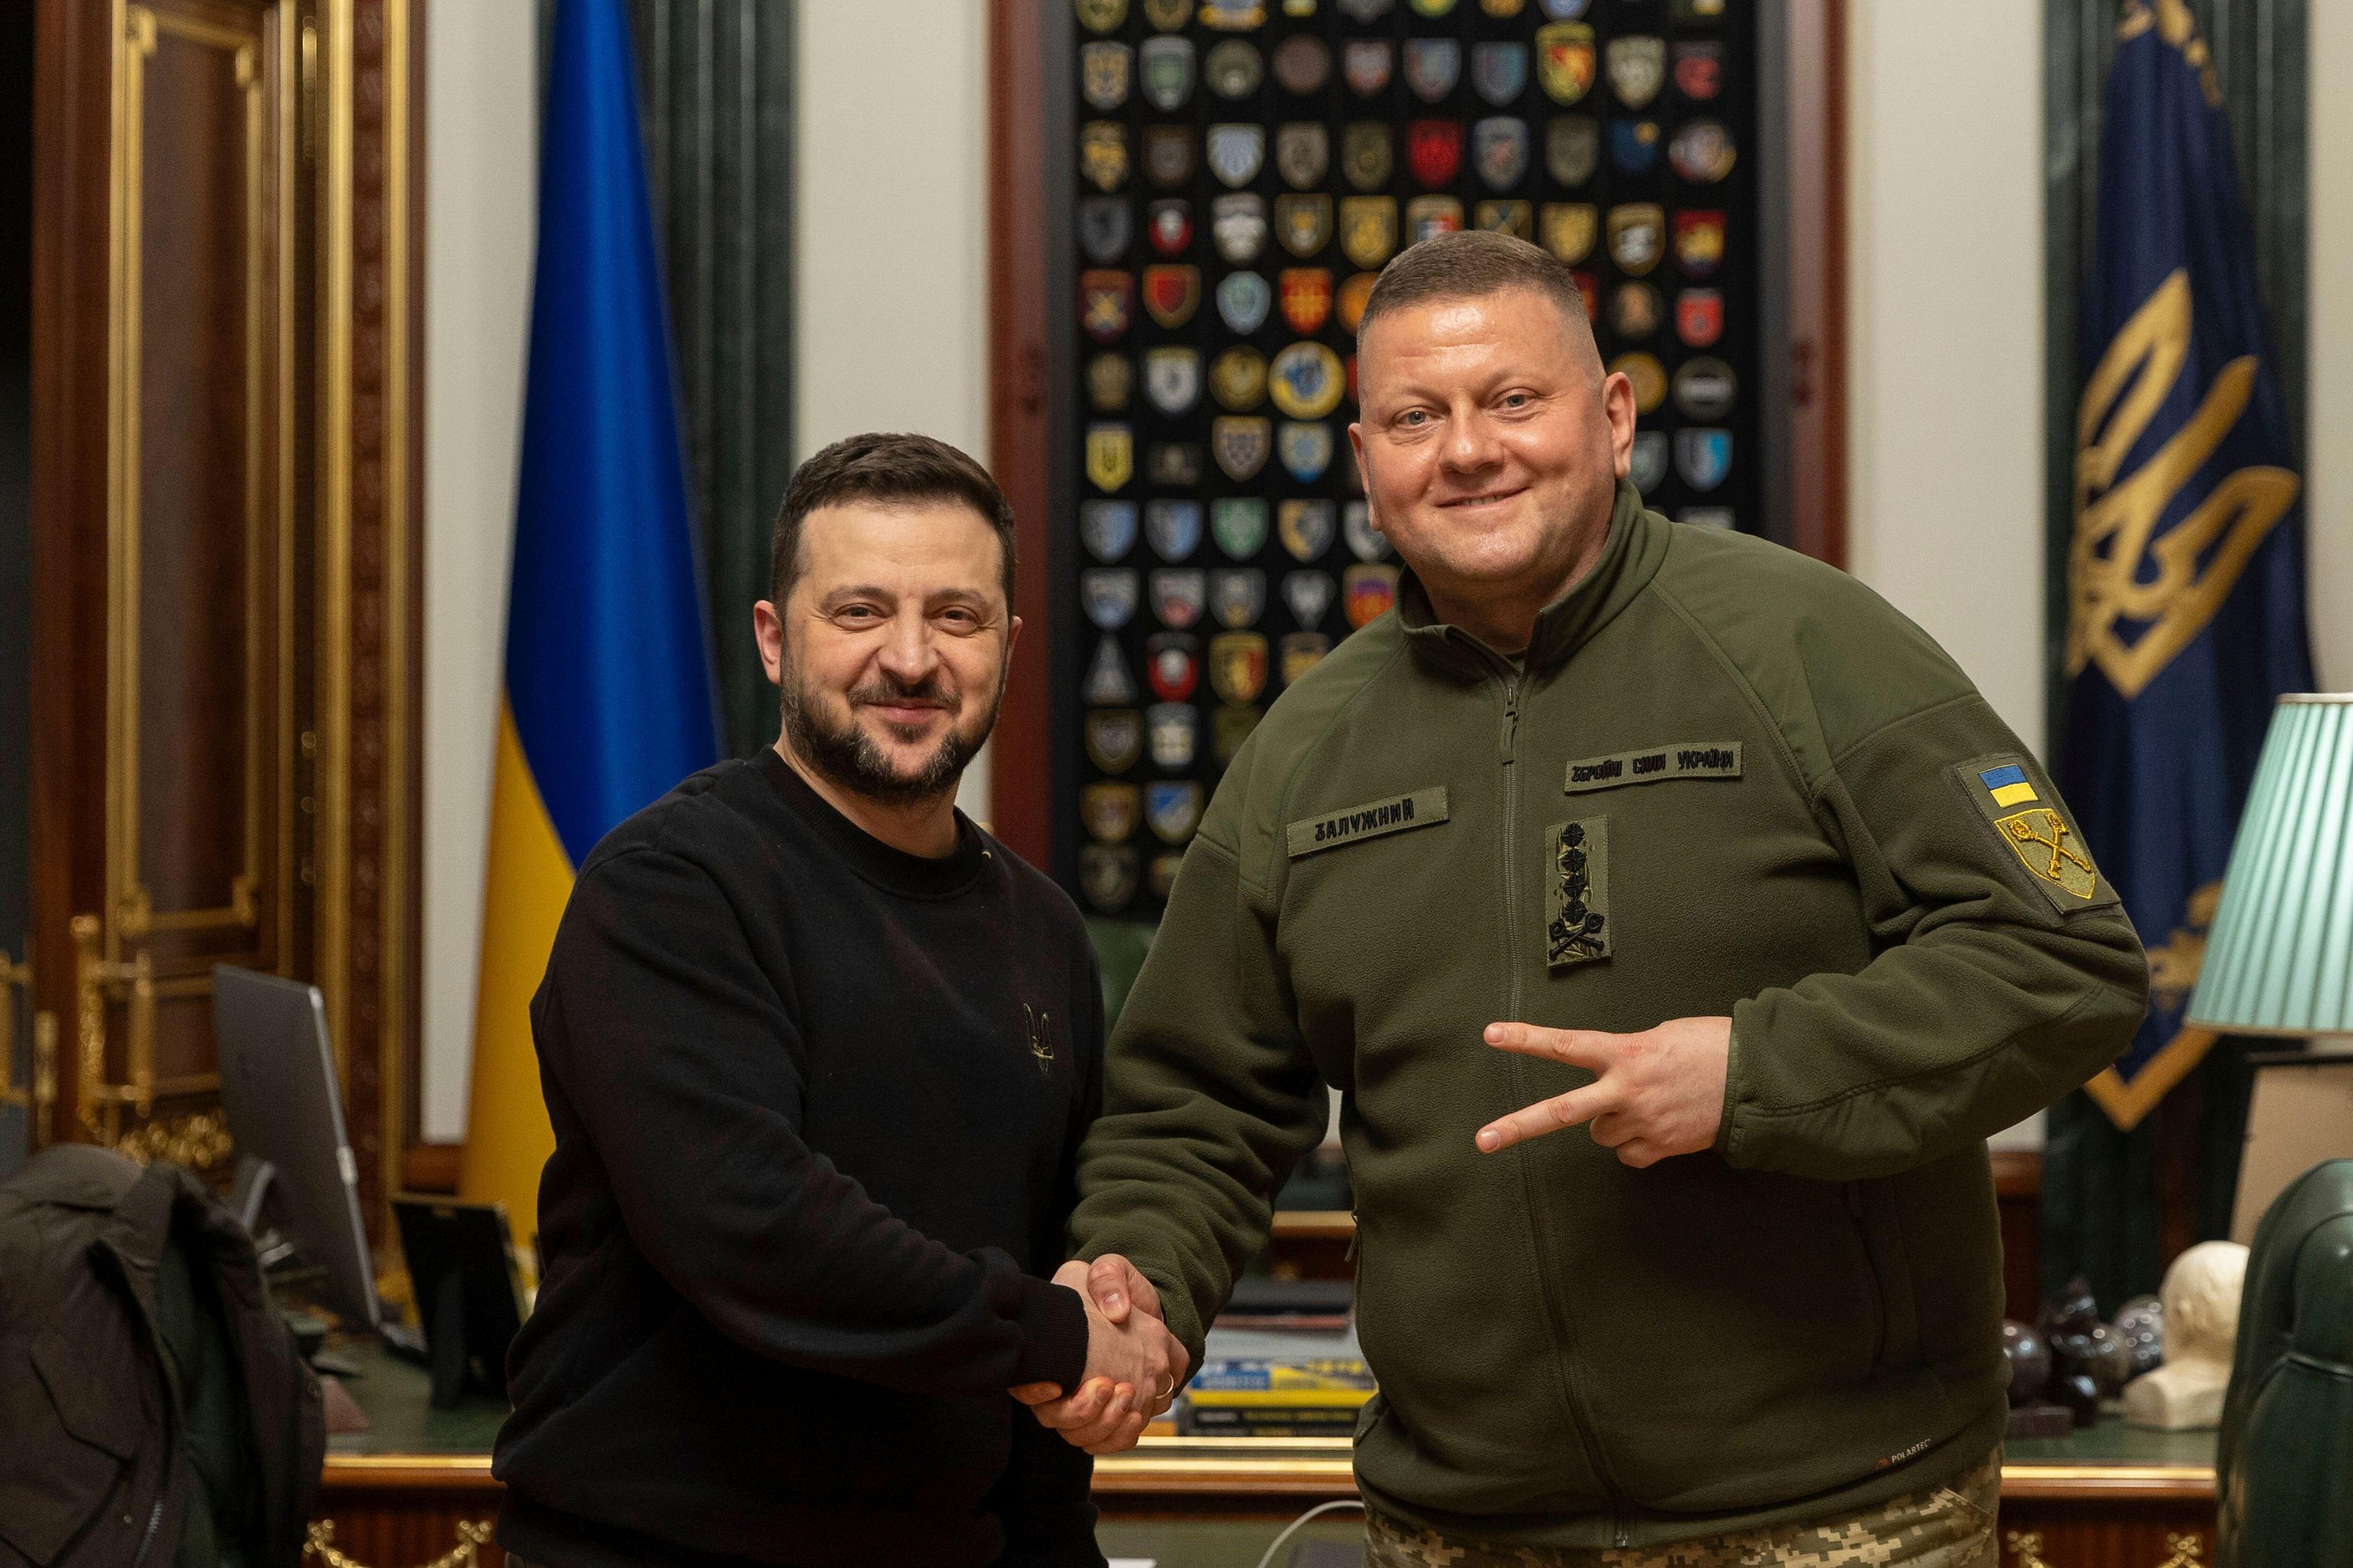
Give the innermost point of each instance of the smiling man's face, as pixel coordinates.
(1491, 444)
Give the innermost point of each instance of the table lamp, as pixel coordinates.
(2279, 960)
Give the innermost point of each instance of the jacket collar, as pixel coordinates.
(1629, 559)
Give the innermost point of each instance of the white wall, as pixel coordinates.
(1944, 322)
(2328, 483)
(891, 204)
(480, 203)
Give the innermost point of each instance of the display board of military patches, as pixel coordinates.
(1240, 171)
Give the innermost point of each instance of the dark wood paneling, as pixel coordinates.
(1018, 239)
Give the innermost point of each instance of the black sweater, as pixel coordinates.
(817, 1104)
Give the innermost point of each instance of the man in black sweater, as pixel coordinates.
(820, 1053)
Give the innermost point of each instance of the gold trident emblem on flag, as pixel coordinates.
(2067, 866)
(1041, 1036)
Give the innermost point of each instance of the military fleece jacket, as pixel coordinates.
(1722, 779)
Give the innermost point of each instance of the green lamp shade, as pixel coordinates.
(2279, 960)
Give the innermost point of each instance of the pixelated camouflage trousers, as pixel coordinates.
(1949, 1526)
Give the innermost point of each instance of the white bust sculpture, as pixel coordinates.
(2201, 1324)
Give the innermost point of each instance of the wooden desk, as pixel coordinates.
(411, 1489)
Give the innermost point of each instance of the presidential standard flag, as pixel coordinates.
(2186, 615)
(608, 690)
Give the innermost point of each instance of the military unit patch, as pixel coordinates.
(2034, 829)
(1222, 166)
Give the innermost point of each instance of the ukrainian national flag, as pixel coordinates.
(608, 690)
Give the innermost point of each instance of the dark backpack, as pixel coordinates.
(152, 1402)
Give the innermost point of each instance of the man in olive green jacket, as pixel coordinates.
(1667, 833)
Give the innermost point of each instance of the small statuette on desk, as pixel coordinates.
(2201, 1323)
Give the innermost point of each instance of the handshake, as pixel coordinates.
(1134, 1365)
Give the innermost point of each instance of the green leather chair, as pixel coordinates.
(2283, 1460)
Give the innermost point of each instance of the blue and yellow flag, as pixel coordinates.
(608, 692)
(2185, 583)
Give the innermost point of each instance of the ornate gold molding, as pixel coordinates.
(472, 1536)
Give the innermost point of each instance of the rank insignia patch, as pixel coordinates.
(1111, 381)
(1368, 228)
(2036, 831)
(1243, 301)
(1239, 525)
(1565, 60)
(1111, 810)
(1577, 931)
(1166, 66)
(1114, 739)
(1238, 376)
(1305, 528)
(1241, 444)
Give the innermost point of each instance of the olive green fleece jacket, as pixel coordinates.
(1722, 779)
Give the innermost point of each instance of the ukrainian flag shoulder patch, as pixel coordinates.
(2035, 833)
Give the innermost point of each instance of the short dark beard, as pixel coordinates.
(850, 760)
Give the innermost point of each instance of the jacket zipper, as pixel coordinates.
(1508, 750)
(155, 1517)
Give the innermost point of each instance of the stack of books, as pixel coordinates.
(1265, 1398)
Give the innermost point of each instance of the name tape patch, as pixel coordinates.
(1395, 814)
(1683, 760)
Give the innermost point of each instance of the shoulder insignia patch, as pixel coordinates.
(2036, 830)
(1329, 830)
(1652, 764)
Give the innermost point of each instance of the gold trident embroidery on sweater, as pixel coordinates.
(2067, 867)
(1041, 1037)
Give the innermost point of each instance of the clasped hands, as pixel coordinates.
(1655, 1094)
